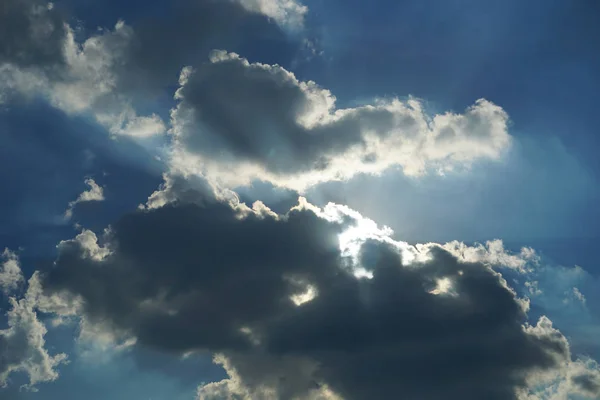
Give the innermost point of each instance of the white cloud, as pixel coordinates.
(578, 295)
(237, 121)
(22, 346)
(287, 13)
(88, 242)
(129, 124)
(235, 387)
(579, 379)
(494, 253)
(90, 76)
(88, 84)
(10, 272)
(97, 343)
(533, 288)
(62, 306)
(95, 193)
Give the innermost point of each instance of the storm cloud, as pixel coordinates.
(279, 298)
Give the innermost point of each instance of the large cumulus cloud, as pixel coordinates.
(245, 120)
(315, 303)
(111, 73)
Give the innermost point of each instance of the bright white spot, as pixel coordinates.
(443, 286)
(304, 297)
(363, 273)
(287, 13)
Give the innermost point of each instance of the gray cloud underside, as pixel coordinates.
(202, 274)
(31, 33)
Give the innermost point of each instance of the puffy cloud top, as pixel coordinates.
(239, 120)
(22, 343)
(10, 272)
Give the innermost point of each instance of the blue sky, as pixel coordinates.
(456, 139)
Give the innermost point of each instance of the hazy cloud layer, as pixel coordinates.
(287, 13)
(239, 121)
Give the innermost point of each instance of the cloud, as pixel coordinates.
(95, 193)
(288, 13)
(107, 74)
(560, 291)
(239, 121)
(578, 379)
(237, 384)
(494, 253)
(87, 83)
(31, 33)
(10, 272)
(578, 295)
(22, 344)
(201, 273)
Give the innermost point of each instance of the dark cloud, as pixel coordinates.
(391, 327)
(587, 383)
(184, 34)
(234, 264)
(32, 33)
(203, 275)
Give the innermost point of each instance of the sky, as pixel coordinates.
(299, 200)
